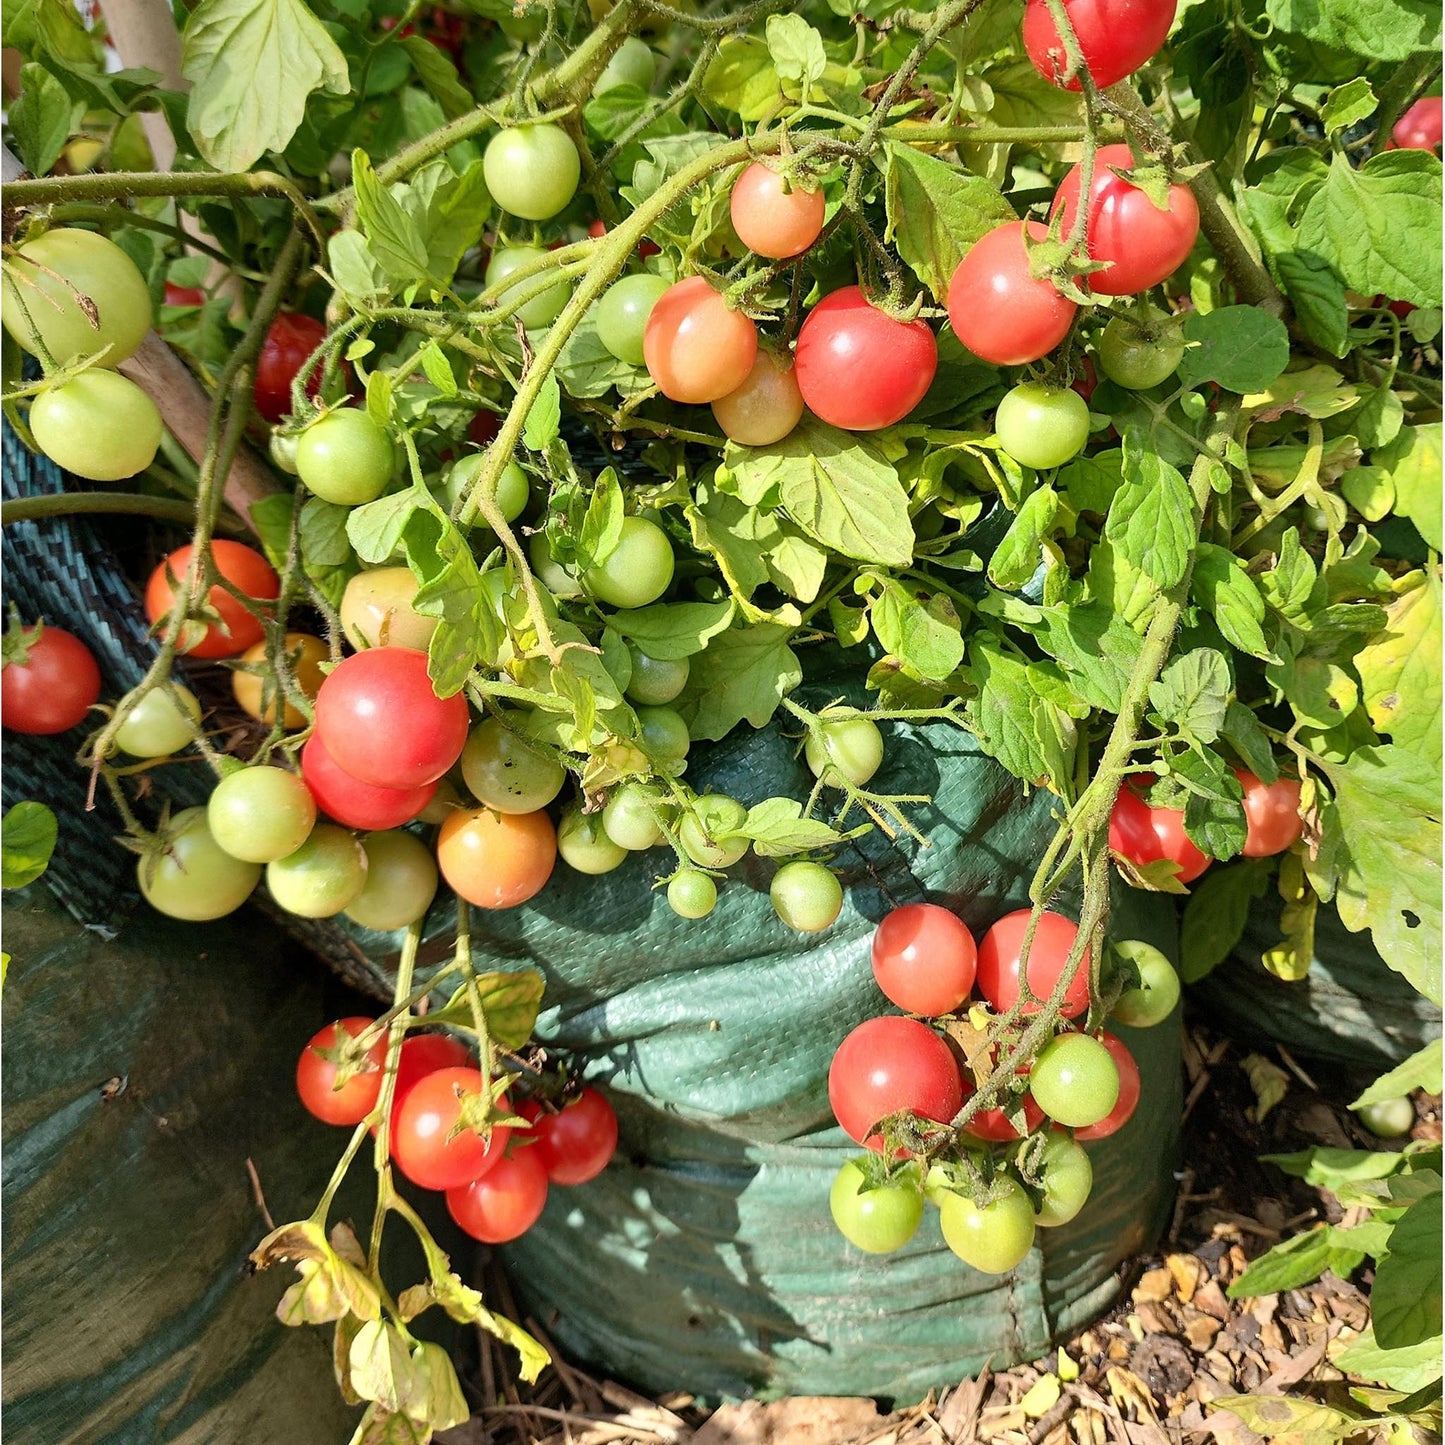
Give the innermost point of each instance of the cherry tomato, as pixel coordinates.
(423, 1054)
(1042, 426)
(291, 338)
(993, 1239)
(692, 894)
(997, 309)
(184, 295)
(807, 896)
(631, 818)
(512, 494)
(164, 721)
(353, 803)
(1420, 127)
(584, 845)
(1388, 1118)
(194, 878)
(575, 1143)
(44, 281)
(259, 814)
(1074, 1080)
(696, 349)
(877, 1220)
(1067, 1178)
(322, 877)
(771, 218)
(645, 248)
(532, 171)
(1137, 357)
(99, 425)
(49, 682)
(1271, 814)
(708, 833)
(857, 367)
(245, 569)
(305, 655)
(664, 734)
(345, 457)
(536, 310)
(401, 881)
(1129, 1089)
(639, 568)
(483, 427)
(888, 1066)
(422, 1143)
(622, 315)
(924, 959)
(506, 772)
(850, 748)
(496, 860)
(998, 963)
(632, 63)
(1143, 244)
(1141, 834)
(377, 611)
(765, 408)
(316, 1076)
(504, 1203)
(656, 680)
(1155, 996)
(993, 1124)
(383, 722)
(1116, 37)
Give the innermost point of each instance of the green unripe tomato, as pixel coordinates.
(664, 734)
(539, 310)
(1042, 426)
(1137, 356)
(99, 425)
(852, 747)
(43, 283)
(630, 818)
(195, 878)
(807, 896)
(345, 458)
(532, 170)
(692, 894)
(163, 722)
(282, 450)
(632, 63)
(994, 1239)
(656, 680)
(512, 489)
(401, 881)
(322, 877)
(638, 570)
(550, 572)
(260, 814)
(877, 1221)
(622, 313)
(1067, 1177)
(506, 773)
(585, 846)
(705, 833)
(1153, 999)
(1388, 1119)
(376, 610)
(1075, 1081)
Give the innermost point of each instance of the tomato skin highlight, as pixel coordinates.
(351, 802)
(924, 959)
(315, 1076)
(504, 1203)
(771, 221)
(1143, 244)
(1271, 813)
(997, 309)
(1115, 37)
(998, 963)
(887, 1065)
(696, 349)
(575, 1144)
(422, 1122)
(858, 368)
(1142, 834)
(383, 722)
(291, 338)
(53, 689)
(1130, 1087)
(496, 860)
(244, 568)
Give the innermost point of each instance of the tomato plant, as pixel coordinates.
(1142, 835)
(377, 611)
(1074, 1081)
(260, 813)
(697, 349)
(1000, 957)
(187, 874)
(992, 1238)
(1138, 355)
(345, 458)
(162, 722)
(1115, 37)
(637, 570)
(924, 959)
(532, 170)
(401, 881)
(692, 894)
(239, 628)
(49, 681)
(1155, 996)
(887, 1066)
(765, 407)
(1066, 1179)
(1130, 1088)
(99, 425)
(320, 878)
(1041, 426)
(806, 896)
(1271, 814)
(575, 1143)
(622, 315)
(304, 656)
(496, 860)
(351, 1099)
(850, 748)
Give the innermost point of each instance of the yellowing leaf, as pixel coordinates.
(1400, 667)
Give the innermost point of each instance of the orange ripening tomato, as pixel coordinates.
(496, 860)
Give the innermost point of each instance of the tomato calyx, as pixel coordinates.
(19, 640)
(482, 1112)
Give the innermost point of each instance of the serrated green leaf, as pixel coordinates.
(673, 630)
(742, 675)
(1376, 29)
(1405, 1302)
(1151, 519)
(28, 834)
(1348, 105)
(1016, 721)
(778, 829)
(1318, 297)
(1216, 914)
(1193, 692)
(41, 118)
(544, 417)
(1240, 347)
(1296, 1262)
(924, 632)
(796, 49)
(1213, 808)
(1017, 556)
(1220, 584)
(1408, 1370)
(1422, 1070)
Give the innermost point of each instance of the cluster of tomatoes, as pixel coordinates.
(896, 1084)
(454, 1131)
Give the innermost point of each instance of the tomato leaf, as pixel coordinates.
(1017, 556)
(1016, 722)
(777, 829)
(1400, 668)
(1376, 29)
(1193, 692)
(1422, 1070)
(382, 1369)
(1409, 1369)
(1240, 347)
(41, 118)
(1220, 584)
(673, 630)
(443, 1404)
(1215, 916)
(28, 834)
(924, 632)
(742, 675)
(1406, 1299)
(1413, 460)
(1150, 520)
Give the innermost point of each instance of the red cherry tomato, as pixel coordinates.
(1116, 37)
(484, 427)
(355, 804)
(1143, 244)
(383, 722)
(857, 367)
(1086, 380)
(1271, 812)
(887, 1065)
(998, 310)
(505, 1203)
(422, 1143)
(1129, 1087)
(992, 1125)
(316, 1077)
(423, 1054)
(290, 340)
(998, 963)
(771, 220)
(697, 349)
(245, 569)
(1419, 129)
(49, 681)
(575, 1143)
(1141, 834)
(924, 959)
(184, 295)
